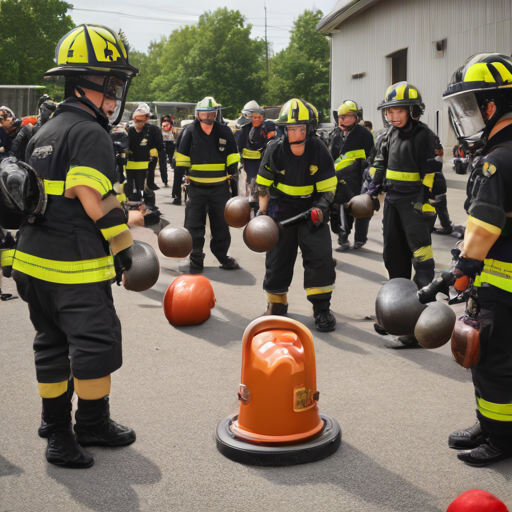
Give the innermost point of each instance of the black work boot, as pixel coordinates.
(467, 438)
(46, 427)
(229, 263)
(344, 244)
(274, 308)
(94, 427)
(325, 321)
(483, 455)
(63, 448)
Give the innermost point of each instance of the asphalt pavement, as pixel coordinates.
(396, 408)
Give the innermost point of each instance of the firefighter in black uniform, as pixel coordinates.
(208, 149)
(252, 140)
(19, 145)
(480, 104)
(404, 168)
(145, 142)
(64, 262)
(297, 174)
(350, 148)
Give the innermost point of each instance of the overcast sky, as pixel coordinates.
(145, 21)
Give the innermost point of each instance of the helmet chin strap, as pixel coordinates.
(100, 114)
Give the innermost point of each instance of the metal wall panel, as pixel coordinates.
(470, 26)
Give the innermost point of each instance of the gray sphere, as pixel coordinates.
(145, 268)
(435, 325)
(397, 307)
(261, 234)
(175, 242)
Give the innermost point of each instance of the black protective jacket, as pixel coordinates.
(406, 162)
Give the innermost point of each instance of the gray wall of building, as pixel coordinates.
(361, 46)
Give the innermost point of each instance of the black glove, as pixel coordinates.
(122, 262)
(316, 219)
(376, 204)
(374, 190)
(8, 242)
(468, 267)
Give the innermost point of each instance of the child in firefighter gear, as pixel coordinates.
(252, 140)
(19, 145)
(208, 150)
(66, 259)
(480, 105)
(404, 168)
(145, 141)
(297, 174)
(350, 148)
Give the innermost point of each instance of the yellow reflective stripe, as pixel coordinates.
(321, 289)
(495, 230)
(400, 91)
(357, 153)
(295, 191)
(90, 178)
(402, 176)
(341, 164)
(428, 180)
(122, 198)
(277, 298)
(479, 73)
(503, 71)
(497, 273)
(54, 188)
(109, 233)
(303, 111)
(424, 253)
(65, 272)
(208, 167)
(6, 257)
(208, 180)
(260, 180)
(233, 158)
(373, 170)
(428, 208)
(328, 185)
(136, 166)
(499, 412)
(250, 154)
(181, 160)
(52, 390)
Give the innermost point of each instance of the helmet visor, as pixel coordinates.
(465, 114)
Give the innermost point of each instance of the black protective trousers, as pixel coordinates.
(361, 229)
(77, 328)
(316, 248)
(151, 172)
(211, 200)
(135, 183)
(492, 376)
(179, 172)
(405, 232)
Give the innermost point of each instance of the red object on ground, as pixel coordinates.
(476, 500)
(188, 300)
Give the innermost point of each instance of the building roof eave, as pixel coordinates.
(343, 10)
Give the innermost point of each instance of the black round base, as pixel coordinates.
(257, 455)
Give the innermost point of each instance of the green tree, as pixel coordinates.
(215, 58)
(31, 30)
(302, 69)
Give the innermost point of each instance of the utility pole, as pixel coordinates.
(266, 42)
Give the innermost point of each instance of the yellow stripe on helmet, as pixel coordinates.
(104, 46)
(400, 90)
(73, 48)
(479, 73)
(413, 93)
(506, 75)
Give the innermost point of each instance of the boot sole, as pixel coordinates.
(72, 465)
(466, 445)
(105, 443)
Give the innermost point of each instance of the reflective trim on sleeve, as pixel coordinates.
(428, 179)
(428, 208)
(65, 272)
(250, 154)
(328, 185)
(424, 253)
(294, 191)
(233, 158)
(208, 167)
(402, 176)
(136, 166)
(260, 180)
(495, 230)
(277, 298)
(54, 188)
(181, 160)
(90, 178)
(320, 290)
(373, 170)
(109, 233)
(498, 412)
(357, 153)
(6, 257)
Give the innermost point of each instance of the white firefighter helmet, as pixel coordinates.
(252, 108)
